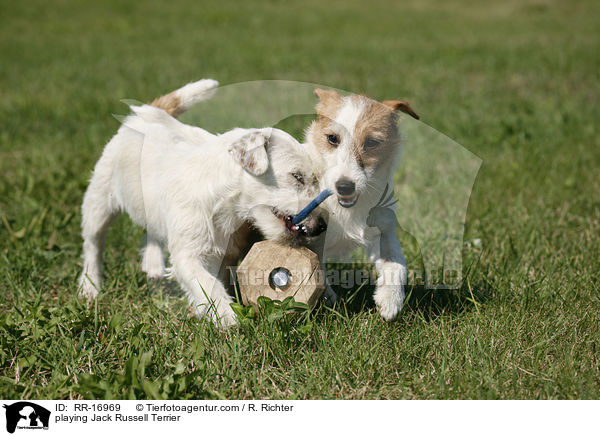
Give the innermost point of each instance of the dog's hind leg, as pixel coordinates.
(97, 214)
(198, 277)
(153, 260)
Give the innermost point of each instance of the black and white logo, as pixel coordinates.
(26, 415)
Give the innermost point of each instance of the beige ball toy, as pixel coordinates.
(277, 271)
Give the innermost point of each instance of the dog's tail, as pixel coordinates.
(177, 102)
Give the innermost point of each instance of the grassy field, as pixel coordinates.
(515, 82)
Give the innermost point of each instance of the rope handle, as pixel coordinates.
(300, 216)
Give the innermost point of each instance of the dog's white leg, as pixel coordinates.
(386, 253)
(153, 261)
(391, 275)
(198, 277)
(97, 214)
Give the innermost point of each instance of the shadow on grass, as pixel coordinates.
(431, 303)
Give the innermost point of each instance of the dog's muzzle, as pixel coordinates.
(310, 227)
(346, 192)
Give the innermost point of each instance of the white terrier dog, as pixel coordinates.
(199, 201)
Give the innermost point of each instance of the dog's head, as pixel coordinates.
(280, 180)
(357, 137)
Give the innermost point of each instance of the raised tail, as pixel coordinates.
(177, 102)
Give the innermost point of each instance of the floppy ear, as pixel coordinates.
(402, 106)
(251, 153)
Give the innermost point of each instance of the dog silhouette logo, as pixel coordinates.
(26, 415)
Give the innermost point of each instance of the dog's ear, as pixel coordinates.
(327, 98)
(251, 153)
(326, 95)
(402, 106)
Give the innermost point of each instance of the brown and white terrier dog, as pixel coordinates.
(356, 142)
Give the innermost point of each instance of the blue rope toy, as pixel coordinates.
(300, 216)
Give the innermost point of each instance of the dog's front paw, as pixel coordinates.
(220, 313)
(389, 300)
(225, 317)
(87, 289)
(229, 320)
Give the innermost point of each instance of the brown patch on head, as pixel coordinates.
(375, 136)
(327, 108)
(170, 103)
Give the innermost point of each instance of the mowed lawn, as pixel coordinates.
(515, 82)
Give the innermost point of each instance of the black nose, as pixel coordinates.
(345, 187)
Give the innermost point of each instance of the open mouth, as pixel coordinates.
(310, 227)
(347, 200)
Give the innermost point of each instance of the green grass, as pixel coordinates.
(516, 82)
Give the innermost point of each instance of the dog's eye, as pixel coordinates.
(333, 139)
(372, 143)
(299, 177)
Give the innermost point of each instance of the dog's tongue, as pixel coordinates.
(301, 216)
(294, 229)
